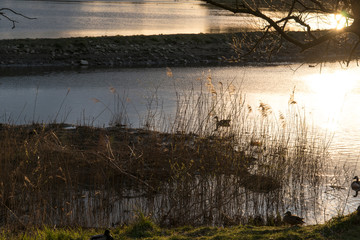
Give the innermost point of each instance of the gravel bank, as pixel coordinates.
(140, 51)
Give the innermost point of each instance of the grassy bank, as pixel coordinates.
(346, 227)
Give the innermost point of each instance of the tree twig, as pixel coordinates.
(3, 13)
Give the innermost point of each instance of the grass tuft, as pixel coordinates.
(142, 227)
(338, 227)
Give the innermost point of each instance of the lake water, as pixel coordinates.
(79, 18)
(63, 18)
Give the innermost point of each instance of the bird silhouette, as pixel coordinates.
(222, 123)
(292, 219)
(105, 236)
(355, 185)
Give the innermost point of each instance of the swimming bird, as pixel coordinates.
(222, 123)
(105, 236)
(355, 185)
(292, 219)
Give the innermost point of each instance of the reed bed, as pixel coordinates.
(177, 169)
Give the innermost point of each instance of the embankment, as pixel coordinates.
(152, 51)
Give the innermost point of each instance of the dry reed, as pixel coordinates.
(182, 172)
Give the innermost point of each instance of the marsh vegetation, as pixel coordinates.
(176, 169)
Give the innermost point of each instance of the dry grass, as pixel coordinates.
(180, 174)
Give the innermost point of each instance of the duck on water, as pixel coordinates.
(355, 185)
(221, 123)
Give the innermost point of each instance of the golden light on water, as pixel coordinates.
(330, 91)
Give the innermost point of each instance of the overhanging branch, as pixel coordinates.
(4, 11)
(326, 35)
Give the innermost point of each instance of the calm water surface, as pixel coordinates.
(64, 18)
(79, 18)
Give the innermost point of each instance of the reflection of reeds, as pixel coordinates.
(184, 173)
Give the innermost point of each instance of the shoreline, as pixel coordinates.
(178, 50)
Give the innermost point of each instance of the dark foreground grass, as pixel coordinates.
(347, 227)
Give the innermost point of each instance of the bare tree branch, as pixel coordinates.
(297, 12)
(4, 12)
(257, 13)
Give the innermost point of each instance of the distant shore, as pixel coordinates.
(144, 51)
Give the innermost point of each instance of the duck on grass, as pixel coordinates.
(105, 236)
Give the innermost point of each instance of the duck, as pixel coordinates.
(222, 123)
(355, 185)
(292, 219)
(105, 236)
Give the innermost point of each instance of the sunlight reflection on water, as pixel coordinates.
(99, 18)
(334, 95)
(63, 18)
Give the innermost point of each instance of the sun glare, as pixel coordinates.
(338, 21)
(330, 91)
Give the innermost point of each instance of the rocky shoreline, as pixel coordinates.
(142, 51)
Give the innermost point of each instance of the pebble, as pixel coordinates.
(84, 62)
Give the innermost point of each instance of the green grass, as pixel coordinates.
(142, 227)
(347, 227)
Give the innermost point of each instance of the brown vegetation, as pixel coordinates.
(252, 170)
